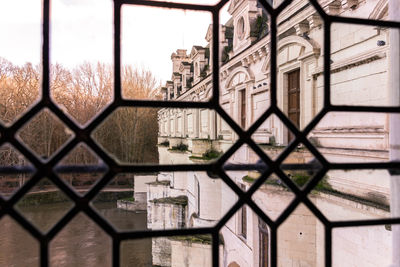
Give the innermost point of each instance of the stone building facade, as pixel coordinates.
(359, 76)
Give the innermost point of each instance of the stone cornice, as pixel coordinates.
(351, 129)
(362, 58)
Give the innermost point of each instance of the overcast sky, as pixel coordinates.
(82, 30)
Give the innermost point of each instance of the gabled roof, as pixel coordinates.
(196, 49)
(234, 4)
(184, 65)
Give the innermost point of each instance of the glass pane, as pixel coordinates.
(245, 61)
(174, 62)
(354, 195)
(10, 183)
(18, 247)
(20, 57)
(81, 69)
(45, 134)
(44, 205)
(352, 137)
(362, 246)
(301, 239)
(80, 243)
(90, 169)
(360, 65)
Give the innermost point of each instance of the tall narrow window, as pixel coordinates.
(294, 99)
(242, 102)
(197, 194)
(264, 243)
(243, 217)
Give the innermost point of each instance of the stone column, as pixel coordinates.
(394, 128)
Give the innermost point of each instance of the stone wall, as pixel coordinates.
(161, 251)
(185, 253)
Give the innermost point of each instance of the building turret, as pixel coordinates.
(178, 57)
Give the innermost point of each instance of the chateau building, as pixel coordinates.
(359, 76)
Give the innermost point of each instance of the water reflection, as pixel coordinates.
(17, 247)
(80, 243)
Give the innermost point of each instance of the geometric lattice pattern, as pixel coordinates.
(81, 203)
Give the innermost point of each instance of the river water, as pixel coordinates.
(80, 243)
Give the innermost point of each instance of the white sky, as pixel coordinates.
(82, 30)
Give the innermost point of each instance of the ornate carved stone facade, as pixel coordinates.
(359, 76)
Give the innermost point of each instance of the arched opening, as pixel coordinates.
(264, 243)
(233, 264)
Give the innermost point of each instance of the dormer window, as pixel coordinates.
(240, 31)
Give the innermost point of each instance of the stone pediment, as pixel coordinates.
(184, 65)
(196, 49)
(234, 5)
(309, 47)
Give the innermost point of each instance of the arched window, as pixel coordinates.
(264, 243)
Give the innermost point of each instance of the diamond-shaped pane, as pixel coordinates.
(244, 167)
(44, 205)
(272, 197)
(45, 134)
(301, 166)
(81, 243)
(12, 182)
(18, 247)
(139, 201)
(90, 168)
(20, 58)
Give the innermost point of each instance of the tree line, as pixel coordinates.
(128, 134)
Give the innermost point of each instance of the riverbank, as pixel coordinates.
(56, 196)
